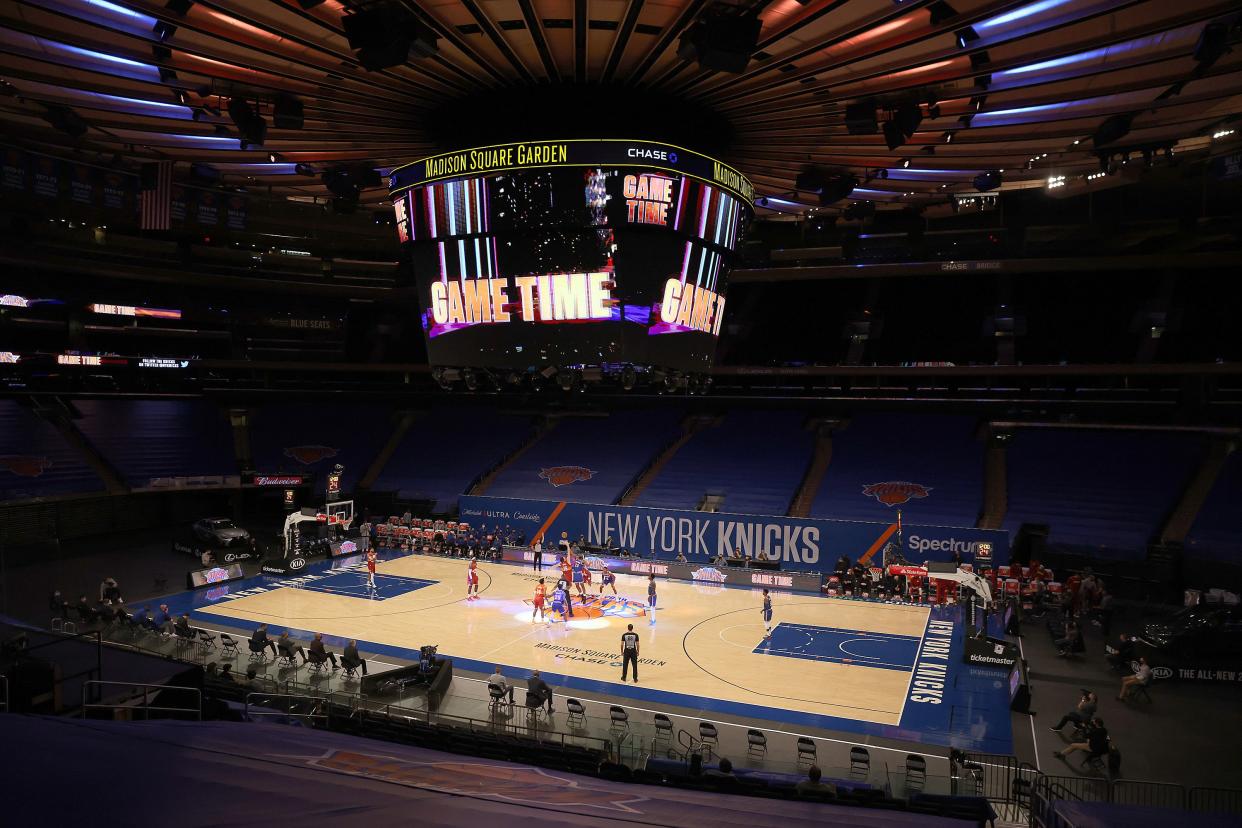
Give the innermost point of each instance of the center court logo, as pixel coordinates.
(595, 606)
(896, 492)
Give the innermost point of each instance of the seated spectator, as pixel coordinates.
(719, 560)
(736, 554)
(813, 786)
(286, 646)
(108, 590)
(142, 618)
(681, 557)
(85, 611)
(351, 659)
(212, 670)
(259, 640)
(724, 770)
(226, 673)
(59, 606)
(497, 679)
(181, 627)
(163, 620)
(319, 653)
(1082, 712)
(539, 687)
(1072, 641)
(1141, 678)
(252, 678)
(1121, 657)
(1096, 744)
(106, 612)
(762, 556)
(123, 615)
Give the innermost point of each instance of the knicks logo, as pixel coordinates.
(595, 606)
(564, 475)
(24, 465)
(896, 493)
(310, 454)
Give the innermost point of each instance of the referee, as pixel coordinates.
(629, 652)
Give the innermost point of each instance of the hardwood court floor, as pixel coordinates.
(847, 659)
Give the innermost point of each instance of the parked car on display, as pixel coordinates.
(220, 532)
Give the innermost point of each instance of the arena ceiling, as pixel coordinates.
(1019, 86)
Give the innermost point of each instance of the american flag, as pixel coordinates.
(156, 195)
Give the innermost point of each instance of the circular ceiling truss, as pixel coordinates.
(1031, 90)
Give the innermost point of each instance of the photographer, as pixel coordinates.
(1082, 713)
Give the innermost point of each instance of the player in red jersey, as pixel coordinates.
(540, 592)
(371, 568)
(472, 580)
(586, 580)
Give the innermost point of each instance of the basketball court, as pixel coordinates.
(856, 666)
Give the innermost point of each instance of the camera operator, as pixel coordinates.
(1082, 713)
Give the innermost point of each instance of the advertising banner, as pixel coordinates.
(796, 543)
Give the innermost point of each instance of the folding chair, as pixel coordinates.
(497, 695)
(916, 773)
(228, 646)
(663, 732)
(860, 763)
(257, 652)
(708, 736)
(620, 720)
(577, 713)
(806, 752)
(756, 743)
(206, 642)
(534, 706)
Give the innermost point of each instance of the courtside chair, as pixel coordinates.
(806, 752)
(756, 743)
(663, 733)
(860, 763)
(258, 652)
(709, 737)
(228, 646)
(577, 713)
(497, 694)
(620, 720)
(206, 642)
(916, 773)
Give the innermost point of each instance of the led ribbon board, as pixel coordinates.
(595, 152)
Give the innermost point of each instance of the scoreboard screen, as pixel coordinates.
(573, 253)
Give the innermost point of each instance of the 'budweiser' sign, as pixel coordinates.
(281, 480)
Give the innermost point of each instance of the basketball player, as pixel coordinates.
(567, 598)
(651, 597)
(577, 566)
(371, 568)
(586, 578)
(472, 580)
(767, 614)
(607, 579)
(558, 600)
(540, 589)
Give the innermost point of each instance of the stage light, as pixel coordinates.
(987, 180)
(163, 30)
(288, 112)
(386, 35)
(948, 137)
(1213, 44)
(860, 117)
(1222, 133)
(66, 120)
(272, 157)
(905, 163)
(721, 41)
(250, 124)
(1114, 128)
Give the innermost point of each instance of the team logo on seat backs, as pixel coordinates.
(896, 492)
(564, 475)
(24, 465)
(310, 454)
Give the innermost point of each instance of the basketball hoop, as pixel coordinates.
(321, 518)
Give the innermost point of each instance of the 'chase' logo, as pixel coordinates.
(897, 492)
(564, 475)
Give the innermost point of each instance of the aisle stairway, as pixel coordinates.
(544, 426)
(692, 425)
(815, 471)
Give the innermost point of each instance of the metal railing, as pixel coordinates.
(4, 700)
(129, 702)
(1214, 800)
(259, 704)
